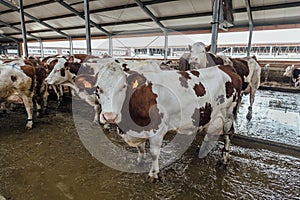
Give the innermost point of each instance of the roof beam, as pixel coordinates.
(150, 14)
(10, 38)
(18, 29)
(238, 10)
(33, 18)
(42, 3)
(81, 15)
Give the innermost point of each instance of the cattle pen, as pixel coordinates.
(50, 161)
(88, 88)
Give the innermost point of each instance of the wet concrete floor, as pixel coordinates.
(51, 162)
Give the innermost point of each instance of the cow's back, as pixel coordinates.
(179, 94)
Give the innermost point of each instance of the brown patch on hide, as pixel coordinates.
(214, 60)
(199, 89)
(72, 67)
(202, 115)
(184, 78)
(195, 73)
(139, 111)
(236, 81)
(241, 68)
(30, 71)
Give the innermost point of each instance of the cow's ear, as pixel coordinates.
(190, 47)
(85, 81)
(207, 48)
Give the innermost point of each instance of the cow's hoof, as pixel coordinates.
(28, 127)
(249, 117)
(197, 151)
(221, 165)
(157, 179)
(152, 179)
(39, 113)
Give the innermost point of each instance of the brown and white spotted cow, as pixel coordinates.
(144, 105)
(17, 84)
(73, 75)
(293, 73)
(65, 73)
(247, 67)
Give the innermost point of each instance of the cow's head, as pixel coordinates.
(60, 73)
(289, 71)
(111, 92)
(198, 56)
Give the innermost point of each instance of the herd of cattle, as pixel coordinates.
(146, 99)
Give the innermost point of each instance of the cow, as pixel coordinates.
(65, 73)
(143, 106)
(248, 68)
(18, 85)
(293, 73)
(197, 58)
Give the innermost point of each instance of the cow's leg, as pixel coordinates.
(38, 103)
(57, 91)
(228, 131)
(213, 132)
(252, 96)
(155, 144)
(141, 152)
(27, 99)
(45, 98)
(3, 108)
(71, 92)
(97, 109)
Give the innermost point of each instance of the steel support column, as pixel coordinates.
(110, 46)
(250, 18)
(41, 48)
(166, 47)
(23, 28)
(70, 45)
(215, 25)
(87, 27)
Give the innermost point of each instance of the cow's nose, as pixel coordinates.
(110, 117)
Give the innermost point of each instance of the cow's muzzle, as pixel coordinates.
(110, 118)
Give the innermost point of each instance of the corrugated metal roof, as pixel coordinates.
(125, 16)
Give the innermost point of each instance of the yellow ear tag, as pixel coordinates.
(135, 84)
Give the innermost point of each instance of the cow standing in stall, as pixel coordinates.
(73, 75)
(143, 106)
(294, 74)
(65, 73)
(17, 85)
(248, 68)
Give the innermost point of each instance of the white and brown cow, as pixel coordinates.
(294, 74)
(144, 105)
(247, 67)
(65, 73)
(17, 84)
